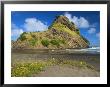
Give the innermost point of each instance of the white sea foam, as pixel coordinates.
(85, 50)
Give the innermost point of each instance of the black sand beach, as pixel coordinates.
(61, 71)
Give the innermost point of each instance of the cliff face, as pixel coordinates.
(61, 34)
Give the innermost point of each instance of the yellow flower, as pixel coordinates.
(81, 63)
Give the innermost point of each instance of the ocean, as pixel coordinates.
(91, 50)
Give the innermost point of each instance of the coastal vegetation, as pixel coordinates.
(28, 68)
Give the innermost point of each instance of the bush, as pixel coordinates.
(26, 69)
(45, 42)
(62, 41)
(33, 36)
(77, 31)
(55, 42)
(22, 36)
(33, 42)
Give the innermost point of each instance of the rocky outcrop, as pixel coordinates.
(65, 21)
(61, 34)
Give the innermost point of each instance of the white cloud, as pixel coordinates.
(81, 22)
(13, 26)
(69, 16)
(33, 24)
(93, 25)
(15, 31)
(91, 30)
(30, 25)
(98, 35)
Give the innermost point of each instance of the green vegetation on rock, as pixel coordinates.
(55, 42)
(85, 40)
(61, 34)
(22, 36)
(33, 42)
(45, 42)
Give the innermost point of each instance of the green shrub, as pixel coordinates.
(77, 31)
(45, 42)
(55, 42)
(33, 42)
(26, 69)
(34, 36)
(62, 41)
(22, 36)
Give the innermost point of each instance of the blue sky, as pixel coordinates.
(88, 22)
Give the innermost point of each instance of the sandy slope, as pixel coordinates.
(67, 71)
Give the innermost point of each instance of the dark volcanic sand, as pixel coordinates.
(34, 55)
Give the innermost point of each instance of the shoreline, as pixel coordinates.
(45, 57)
(54, 51)
(93, 59)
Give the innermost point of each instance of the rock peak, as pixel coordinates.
(61, 19)
(61, 34)
(65, 21)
